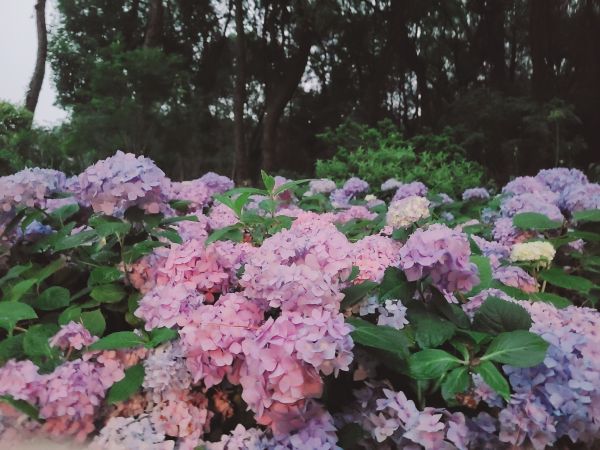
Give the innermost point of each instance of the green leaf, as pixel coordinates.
(517, 348)
(431, 330)
(381, 337)
(484, 272)
(456, 382)
(267, 180)
(35, 342)
(75, 240)
(558, 277)
(289, 185)
(175, 219)
(136, 251)
(353, 274)
(19, 290)
(64, 212)
(535, 221)
(13, 312)
(590, 215)
(71, 314)
(557, 300)
(585, 235)
(230, 233)
(94, 322)
(180, 205)
(108, 293)
(171, 235)
(431, 363)
(54, 297)
(355, 293)
(494, 379)
(104, 275)
(11, 347)
(160, 335)
(49, 270)
(129, 385)
(15, 272)
(23, 406)
(394, 285)
(120, 339)
(106, 226)
(496, 316)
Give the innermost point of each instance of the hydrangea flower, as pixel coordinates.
(392, 314)
(529, 202)
(560, 178)
(475, 194)
(516, 277)
(130, 433)
(416, 188)
(165, 369)
(372, 255)
(540, 252)
(221, 216)
(20, 380)
(580, 197)
(441, 253)
(322, 186)
(390, 184)
(195, 191)
(114, 184)
(405, 212)
(72, 335)
(30, 187)
(216, 184)
(529, 185)
(168, 305)
(354, 213)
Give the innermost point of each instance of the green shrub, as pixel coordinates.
(377, 154)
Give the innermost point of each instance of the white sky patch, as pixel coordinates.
(18, 47)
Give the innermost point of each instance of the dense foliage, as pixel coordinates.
(513, 83)
(375, 154)
(138, 312)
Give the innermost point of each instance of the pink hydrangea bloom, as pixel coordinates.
(212, 340)
(516, 277)
(221, 216)
(165, 369)
(72, 335)
(21, 380)
(355, 213)
(373, 254)
(168, 305)
(194, 191)
(114, 184)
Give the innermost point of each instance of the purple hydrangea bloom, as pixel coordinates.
(30, 187)
(130, 433)
(515, 277)
(114, 184)
(441, 253)
(476, 194)
(216, 184)
(195, 191)
(390, 184)
(579, 197)
(409, 189)
(322, 186)
(72, 335)
(560, 178)
(529, 185)
(355, 186)
(530, 202)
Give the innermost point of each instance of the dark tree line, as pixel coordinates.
(236, 85)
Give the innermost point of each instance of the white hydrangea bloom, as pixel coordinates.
(403, 213)
(537, 251)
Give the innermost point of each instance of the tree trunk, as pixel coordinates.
(35, 86)
(240, 164)
(495, 16)
(278, 94)
(155, 24)
(541, 15)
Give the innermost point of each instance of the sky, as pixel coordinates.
(18, 47)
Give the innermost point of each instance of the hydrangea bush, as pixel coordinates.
(141, 313)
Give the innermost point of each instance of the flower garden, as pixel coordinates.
(141, 313)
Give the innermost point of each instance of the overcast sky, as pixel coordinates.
(18, 46)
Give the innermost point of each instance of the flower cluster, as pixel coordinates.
(441, 253)
(114, 184)
(30, 187)
(541, 252)
(475, 194)
(403, 213)
(416, 188)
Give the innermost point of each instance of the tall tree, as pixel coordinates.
(240, 163)
(35, 86)
(155, 24)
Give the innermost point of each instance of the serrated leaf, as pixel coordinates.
(431, 363)
(54, 297)
(496, 316)
(590, 215)
(15, 272)
(19, 289)
(230, 233)
(175, 219)
(94, 322)
(64, 212)
(456, 382)
(355, 293)
(431, 330)
(381, 337)
(75, 240)
(484, 269)
(517, 348)
(107, 225)
(12, 312)
(120, 339)
(104, 275)
(535, 221)
(11, 347)
(161, 335)
(556, 300)
(129, 385)
(494, 379)
(136, 251)
(23, 406)
(35, 342)
(558, 277)
(49, 270)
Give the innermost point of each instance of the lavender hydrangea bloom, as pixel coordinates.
(515, 277)
(130, 433)
(530, 202)
(409, 189)
(72, 335)
(441, 253)
(390, 184)
(30, 187)
(114, 184)
(476, 194)
(216, 184)
(529, 185)
(195, 191)
(580, 197)
(504, 231)
(560, 178)
(355, 186)
(321, 186)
